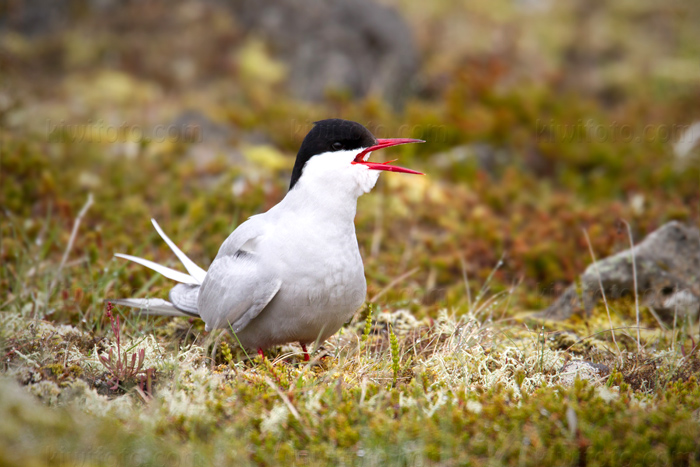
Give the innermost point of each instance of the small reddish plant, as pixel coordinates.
(694, 347)
(121, 367)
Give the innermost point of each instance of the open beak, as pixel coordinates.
(381, 144)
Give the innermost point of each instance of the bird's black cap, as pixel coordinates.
(330, 135)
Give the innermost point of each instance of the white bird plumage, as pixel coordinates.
(293, 273)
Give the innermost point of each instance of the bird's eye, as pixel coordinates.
(337, 146)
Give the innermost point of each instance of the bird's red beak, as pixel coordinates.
(381, 144)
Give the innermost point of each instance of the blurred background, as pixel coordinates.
(542, 118)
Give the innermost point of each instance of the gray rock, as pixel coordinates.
(37, 17)
(353, 45)
(195, 127)
(492, 159)
(205, 140)
(668, 276)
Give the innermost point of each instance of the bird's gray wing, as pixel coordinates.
(237, 286)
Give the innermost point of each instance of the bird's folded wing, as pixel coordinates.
(236, 289)
(184, 297)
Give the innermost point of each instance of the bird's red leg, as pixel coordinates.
(260, 352)
(306, 354)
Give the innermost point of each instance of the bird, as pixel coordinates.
(293, 273)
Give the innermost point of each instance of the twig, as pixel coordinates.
(214, 348)
(602, 290)
(288, 403)
(675, 317)
(25, 358)
(657, 318)
(485, 286)
(73, 234)
(466, 281)
(510, 296)
(393, 283)
(634, 276)
(621, 328)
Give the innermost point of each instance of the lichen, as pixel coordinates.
(455, 261)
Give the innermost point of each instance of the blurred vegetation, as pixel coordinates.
(541, 119)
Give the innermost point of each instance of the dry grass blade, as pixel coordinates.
(634, 277)
(393, 283)
(69, 246)
(602, 291)
(465, 278)
(293, 410)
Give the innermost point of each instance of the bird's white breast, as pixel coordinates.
(309, 243)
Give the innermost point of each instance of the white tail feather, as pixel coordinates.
(151, 306)
(167, 272)
(194, 270)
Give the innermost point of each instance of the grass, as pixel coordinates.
(461, 394)
(456, 379)
(445, 366)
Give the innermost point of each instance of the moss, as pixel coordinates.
(474, 382)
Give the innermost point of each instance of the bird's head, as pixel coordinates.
(336, 152)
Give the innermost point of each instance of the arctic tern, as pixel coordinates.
(293, 273)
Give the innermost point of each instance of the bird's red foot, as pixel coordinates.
(306, 354)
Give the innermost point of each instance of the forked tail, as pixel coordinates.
(183, 297)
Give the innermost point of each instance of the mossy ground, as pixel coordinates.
(455, 261)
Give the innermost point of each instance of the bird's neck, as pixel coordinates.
(334, 203)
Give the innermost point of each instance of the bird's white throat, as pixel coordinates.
(334, 175)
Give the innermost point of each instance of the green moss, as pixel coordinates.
(473, 383)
